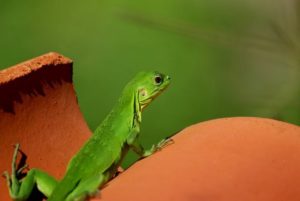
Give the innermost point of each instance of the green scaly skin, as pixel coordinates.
(97, 161)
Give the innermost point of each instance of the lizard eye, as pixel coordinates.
(158, 79)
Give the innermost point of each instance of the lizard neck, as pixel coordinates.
(126, 114)
(128, 107)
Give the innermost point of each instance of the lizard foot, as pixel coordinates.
(163, 143)
(12, 180)
(159, 146)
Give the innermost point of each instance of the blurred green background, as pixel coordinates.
(226, 58)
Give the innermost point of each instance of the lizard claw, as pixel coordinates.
(163, 143)
(6, 175)
(20, 170)
(159, 146)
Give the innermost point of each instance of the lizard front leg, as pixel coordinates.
(20, 190)
(139, 149)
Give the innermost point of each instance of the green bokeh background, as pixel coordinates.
(226, 58)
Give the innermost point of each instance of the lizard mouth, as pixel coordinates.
(145, 103)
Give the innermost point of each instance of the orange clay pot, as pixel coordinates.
(231, 159)
(39, 110)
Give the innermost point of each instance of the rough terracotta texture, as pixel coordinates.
(232, 159)
(39, 110)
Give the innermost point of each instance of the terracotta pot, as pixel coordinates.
(232, 159)
(39, 110)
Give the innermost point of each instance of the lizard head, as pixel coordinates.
(149, 86)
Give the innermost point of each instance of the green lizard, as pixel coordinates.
(97, 161)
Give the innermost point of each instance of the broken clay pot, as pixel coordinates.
(39, 110)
